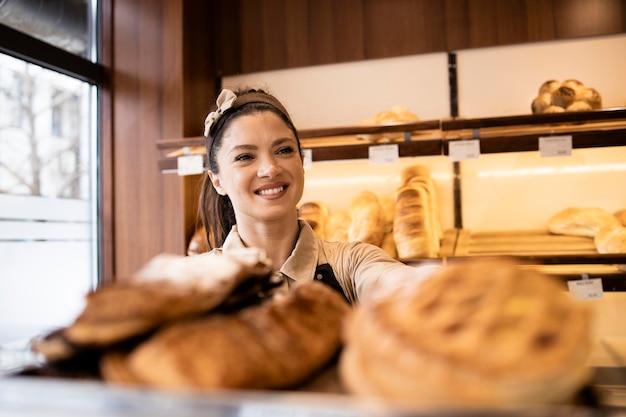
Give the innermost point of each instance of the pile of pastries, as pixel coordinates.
(395, 115)
(570, 95)
(406, 224)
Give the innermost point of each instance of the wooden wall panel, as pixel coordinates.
(277, 34)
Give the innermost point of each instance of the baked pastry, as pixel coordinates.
(549, 87)
(591, 97)
(168, 287)
(315, 213)
(611, 240)
(554, 109)
(581, 221)
(337, 226)
(413, 230)
(367, 219)
(563, 96)
(579, 106)
(541, 103)
(277, 344)
(413, 171)
(621, 216)
(395, 115)
(482, 332)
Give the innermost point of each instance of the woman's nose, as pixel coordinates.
(268, 168)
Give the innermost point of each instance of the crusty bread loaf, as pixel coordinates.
(274, 345)
(611, 240)
(413, 231)
(412, 171)
(337, 226)
(484, 332)
(541, 103)
(581, 221)
(591, 97)
(579, 105)
(367, 219)
(315, 213)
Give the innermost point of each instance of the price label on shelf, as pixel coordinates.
(383, 154)
(586, 289)
(550, 146)
(460, 150)
(308, 158)
(190, 165)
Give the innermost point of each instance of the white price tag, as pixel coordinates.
(586, 289)
(308, 158)
(555, 146)
(460, 150)
(383, 154)
(190, 165)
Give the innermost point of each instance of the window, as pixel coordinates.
(49, 241)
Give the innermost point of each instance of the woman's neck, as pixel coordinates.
(277, 238)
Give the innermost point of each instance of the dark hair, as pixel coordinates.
(216, 210)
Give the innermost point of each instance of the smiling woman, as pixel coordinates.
(250, 197)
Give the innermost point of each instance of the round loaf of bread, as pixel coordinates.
(579, 106)
(482, 332)
(592, 97)
(581, 221)
(554, 109)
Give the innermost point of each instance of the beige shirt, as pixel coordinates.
(359, 267)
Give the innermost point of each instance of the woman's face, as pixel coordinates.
(260, 167)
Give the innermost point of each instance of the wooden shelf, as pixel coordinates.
(600, 128)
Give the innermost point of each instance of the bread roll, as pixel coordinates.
(274, 345)
(315, 213)
(579, 106)
(581, 221)
(549, 87)
(611, 240)
(337, 226)
(367, 219)
(563, 97)
(591, 97)
(621, 216)
(541, 103)
(484, 332)
(554, 109)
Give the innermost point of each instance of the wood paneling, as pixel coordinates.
(278, 34)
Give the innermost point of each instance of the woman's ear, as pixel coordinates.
(215, 180)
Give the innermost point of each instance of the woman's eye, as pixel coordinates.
(243, 157)
(286, 150)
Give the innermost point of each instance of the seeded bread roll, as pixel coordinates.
(581, 221)
(484, 332)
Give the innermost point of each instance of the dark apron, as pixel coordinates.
(325, 274)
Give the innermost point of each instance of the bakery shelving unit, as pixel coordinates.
(564, 256)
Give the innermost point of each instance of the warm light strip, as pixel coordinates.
(581, 169)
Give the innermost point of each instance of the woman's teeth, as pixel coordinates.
(271, 191)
